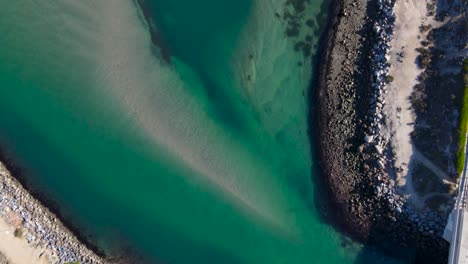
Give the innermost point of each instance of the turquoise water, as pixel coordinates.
(205, 159)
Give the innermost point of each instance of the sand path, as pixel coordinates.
(409, 16)
(17, 250)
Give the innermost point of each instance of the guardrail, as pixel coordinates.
(458, 217)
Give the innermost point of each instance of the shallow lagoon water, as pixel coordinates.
(205, 159)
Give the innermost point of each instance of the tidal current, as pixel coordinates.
(190, 145)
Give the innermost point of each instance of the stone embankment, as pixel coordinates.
(383, 34)
(39, 226)
(378, 142)
(355, 154)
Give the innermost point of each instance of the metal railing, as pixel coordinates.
(458, 213)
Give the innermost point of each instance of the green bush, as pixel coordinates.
(389, 79)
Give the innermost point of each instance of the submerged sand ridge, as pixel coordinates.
(148, 152)
(209, 154)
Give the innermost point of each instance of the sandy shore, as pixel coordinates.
(30, 233)
(400, 115)
(17, 249)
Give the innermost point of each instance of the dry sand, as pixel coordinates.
(18, 250)
(410, 14)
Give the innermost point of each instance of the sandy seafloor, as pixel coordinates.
(204, 160)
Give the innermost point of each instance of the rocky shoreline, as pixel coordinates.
(356, 156)
(39, 226)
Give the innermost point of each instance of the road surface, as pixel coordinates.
(458, 222)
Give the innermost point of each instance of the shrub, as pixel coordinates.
(418, 98)
(424, 60)
(425, 43)
(431, 7)
(389, 78)
(425, 28)
(18, 233)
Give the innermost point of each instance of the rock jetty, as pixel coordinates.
(40, 226)
(355, 155)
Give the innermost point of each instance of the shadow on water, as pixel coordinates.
(321, 191)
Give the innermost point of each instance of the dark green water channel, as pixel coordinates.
(202, 160)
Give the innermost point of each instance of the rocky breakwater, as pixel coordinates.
(39, 226)
(422, 228)
(355, 155)
(337, 114)
(382, 33)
